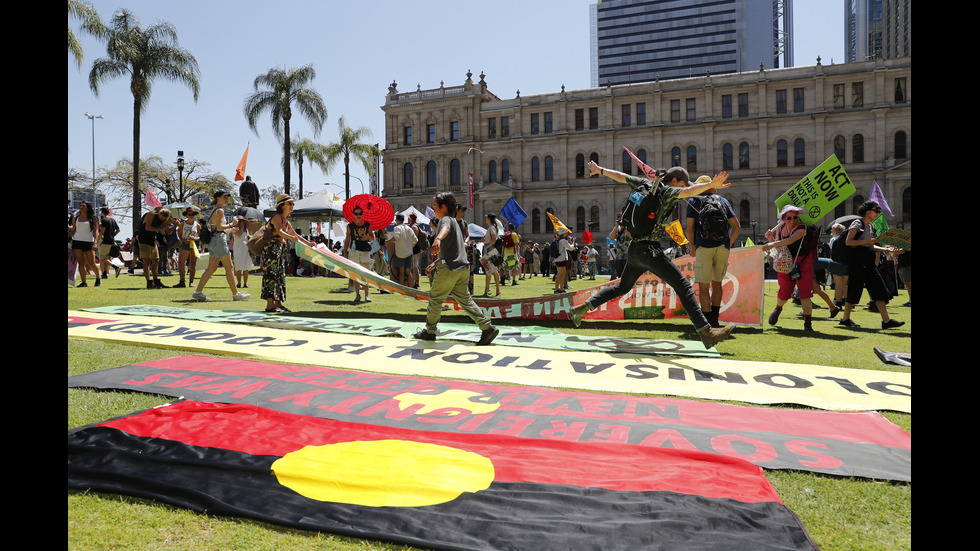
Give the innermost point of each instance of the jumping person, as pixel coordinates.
(645, 216)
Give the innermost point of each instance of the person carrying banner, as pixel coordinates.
(712, 230)
(861, 270)
(357, 247)
(450, 274)
(791, 234)
(645, 215)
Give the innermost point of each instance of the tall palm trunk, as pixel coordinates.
(137, 109)
(285, 156)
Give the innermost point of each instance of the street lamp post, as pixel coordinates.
(95, 197)
(358, 179)
(469, 172)
(180, 171)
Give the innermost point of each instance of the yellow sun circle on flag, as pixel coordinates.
(383, 473)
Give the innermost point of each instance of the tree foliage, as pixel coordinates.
(142, 55)
(278, 91)
(349, 145)
(92, 24)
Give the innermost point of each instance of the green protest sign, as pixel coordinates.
(819, 191)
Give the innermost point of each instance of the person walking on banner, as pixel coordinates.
(712, 230)
(450, 273)
(645, 215)
(862, 246)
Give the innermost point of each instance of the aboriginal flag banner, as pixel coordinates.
(428, 489)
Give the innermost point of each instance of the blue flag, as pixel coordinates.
(513, 212)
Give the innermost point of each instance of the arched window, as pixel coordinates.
(856, 202)
(535, 169)
(692, 159)
(727, 157)
(743, 155)
(840, 145)
(430, 174)
(536, 221)
(580, 166)
(675, 156)
(492, 169)
(799, 152)
(782, 158)
(580, 219)
(641, 154)
(901, 149)
(745, 213)
(627, 163)
(505, 170)
(857, 149)
(549, 168)
(594, 157)
(594, 217)
(454, 175)
(408, 176)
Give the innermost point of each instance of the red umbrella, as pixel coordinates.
(377, 211)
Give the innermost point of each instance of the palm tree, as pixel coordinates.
(307, 149)
(91, 23)
(142, 55)
(350, 144)
(282, 89)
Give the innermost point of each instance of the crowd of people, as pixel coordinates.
(451, 258)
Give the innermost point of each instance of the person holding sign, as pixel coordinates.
(861, 270)
(645, 216)
(791, 233)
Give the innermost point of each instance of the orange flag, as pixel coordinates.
(240, 171)
(557, 223)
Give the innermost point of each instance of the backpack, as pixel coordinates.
(713, 219)
(838, 250)
(553, 249)
(205, 233)
(639, 215)
(509, 240)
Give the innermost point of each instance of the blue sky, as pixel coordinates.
(357, 49)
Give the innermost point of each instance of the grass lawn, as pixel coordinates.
(839, 513)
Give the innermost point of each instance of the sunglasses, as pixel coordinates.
(358, 214)
(792, 217)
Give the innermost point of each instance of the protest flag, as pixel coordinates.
(430, 489)
(878, 197)
(559, 227)
(151, 200)
(586, 236)
(240, 170)
(676, 232)
(513, 212)
(650, 173)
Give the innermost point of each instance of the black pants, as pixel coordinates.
(647, 256)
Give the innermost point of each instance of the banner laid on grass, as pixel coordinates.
(649, 298)
(429, 489)
(755, 382)
(530, 336)
(845, 444)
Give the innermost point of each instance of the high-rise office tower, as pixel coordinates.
(641, 40)
(876, 29)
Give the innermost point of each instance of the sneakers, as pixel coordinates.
(834, 312)
(80, 285)
(807, 323)
(424, 335)
(180, 285)
(487, 336)
(774, 316)
(98, 282)
(357, 299)
(891, 324)
(579, 312)
(711, 336)
(240, 296)
(157, 284)
(200, 297)
(848, 323)
(367, 298)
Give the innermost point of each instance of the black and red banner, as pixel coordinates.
(847, 444)
(432, 489)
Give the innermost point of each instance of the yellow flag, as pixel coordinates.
(675, 231)
(748, 242)
(557, 223)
